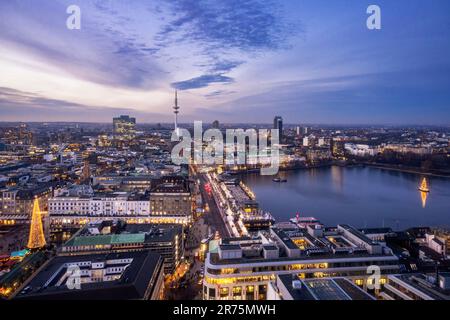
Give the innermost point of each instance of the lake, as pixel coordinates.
(359, 196)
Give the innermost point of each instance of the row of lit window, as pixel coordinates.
(226, 281)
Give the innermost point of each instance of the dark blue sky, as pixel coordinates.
(310, 61)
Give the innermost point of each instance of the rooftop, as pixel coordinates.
(215, 260)
(124, 233)
(323, 289)
(137, 276)
(303, 244)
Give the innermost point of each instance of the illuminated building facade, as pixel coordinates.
(124, 127)
(176, 111)
(361, 150)
(20, 200)
(169, 202)
(171, 198)
(242, 269)
(316, 155)
(107, 204)
(417, 286)
(439, 242)
(123, 183)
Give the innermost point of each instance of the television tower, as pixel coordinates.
(176, 111)
(36, 239)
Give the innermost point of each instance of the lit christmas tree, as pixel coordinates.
(36, 239)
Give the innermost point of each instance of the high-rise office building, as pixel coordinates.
(216, 124)
(124, 127)
(278, 124)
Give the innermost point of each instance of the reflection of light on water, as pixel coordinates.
(424, 190)
(337, 178)
(312, 172)
(424, 196)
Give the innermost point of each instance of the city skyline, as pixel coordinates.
(243, 153)
(238, 61)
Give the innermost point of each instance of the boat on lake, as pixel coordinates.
(303, 222)
(424, 186)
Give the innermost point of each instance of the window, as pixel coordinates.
(224, 292)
